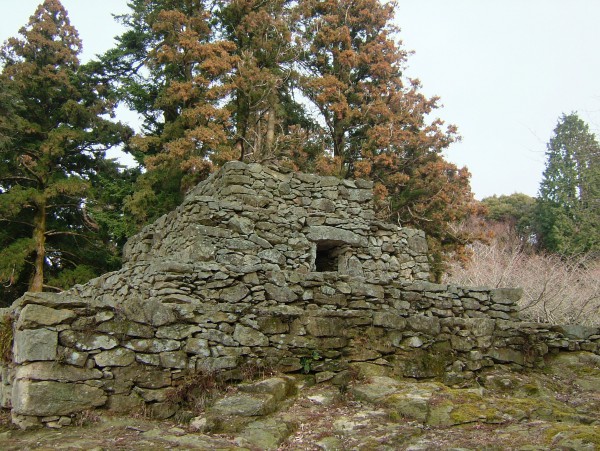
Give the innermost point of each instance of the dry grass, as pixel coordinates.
(6, 338)
(555, 290)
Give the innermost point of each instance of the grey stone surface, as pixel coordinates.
(246, 336)
(115, 357)
(54, 371)
(35, 344)
(33, 316)
(244, 405)
(54, 398)
(259, 268)
(87, 341)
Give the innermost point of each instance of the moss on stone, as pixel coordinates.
(588, 434)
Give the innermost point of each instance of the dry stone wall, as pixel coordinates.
(260, 267)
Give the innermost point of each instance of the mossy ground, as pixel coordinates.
(554, 408)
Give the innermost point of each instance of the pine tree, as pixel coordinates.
(568, 211)
(170, 67)
(263, 77)
(357, 115)
(57, 139)
(377, 121)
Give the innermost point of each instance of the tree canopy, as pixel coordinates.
(568, 213)
(55, 134)
(314, 85)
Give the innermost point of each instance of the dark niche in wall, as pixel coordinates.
(327, 256)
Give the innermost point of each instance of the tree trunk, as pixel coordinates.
(270, 132)
(39, 236)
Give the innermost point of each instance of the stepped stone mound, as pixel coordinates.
(261, 267)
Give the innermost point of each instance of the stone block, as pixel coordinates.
(418, 243)
(87, 341)
(122, 327)
(156, 345)
(217, 363)
(280, 294)
(507, 295)
(115, 357)
(54, 371)
(367, 289)
(577, 332)
(218, 337)
(162, 410)
(177, 331)
(142, 376)
(173, 359)
(149, 311)
(389, 320)
(158, 395)
(272, 325)
(338, 299)
(429, 325)
(506, 355)
(33, 316)
(245, 405)
(120, 403)
(235, 293)
(48, 398)
(272, 256)
(279, 387)
(325, 327)
(335, 236)
(54, 300)
(197, 346)
(35, 344)
(246, 336)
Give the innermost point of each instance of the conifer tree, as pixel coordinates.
(262, 105)
(57, 136)
(377, 122)
(222, 83)
(169, 66)
(568, 211)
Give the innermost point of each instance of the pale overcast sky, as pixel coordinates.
(505, 72)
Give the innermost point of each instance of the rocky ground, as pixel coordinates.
(556, 407)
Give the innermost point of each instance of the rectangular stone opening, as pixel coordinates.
(327, 256)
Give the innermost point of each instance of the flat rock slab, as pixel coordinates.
(376, 389)
(245, 405)
(265, 434)
(50, 398)
(279, 387)
(33, 316)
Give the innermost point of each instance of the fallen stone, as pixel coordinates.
(245, 405)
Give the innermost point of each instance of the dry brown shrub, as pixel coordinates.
(555, 290)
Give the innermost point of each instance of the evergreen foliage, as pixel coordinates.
(315, 85)
(54, 139)
(517, 211)
(568, 211)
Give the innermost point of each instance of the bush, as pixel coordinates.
(556, 290)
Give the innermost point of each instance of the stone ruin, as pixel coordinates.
(263, 267)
